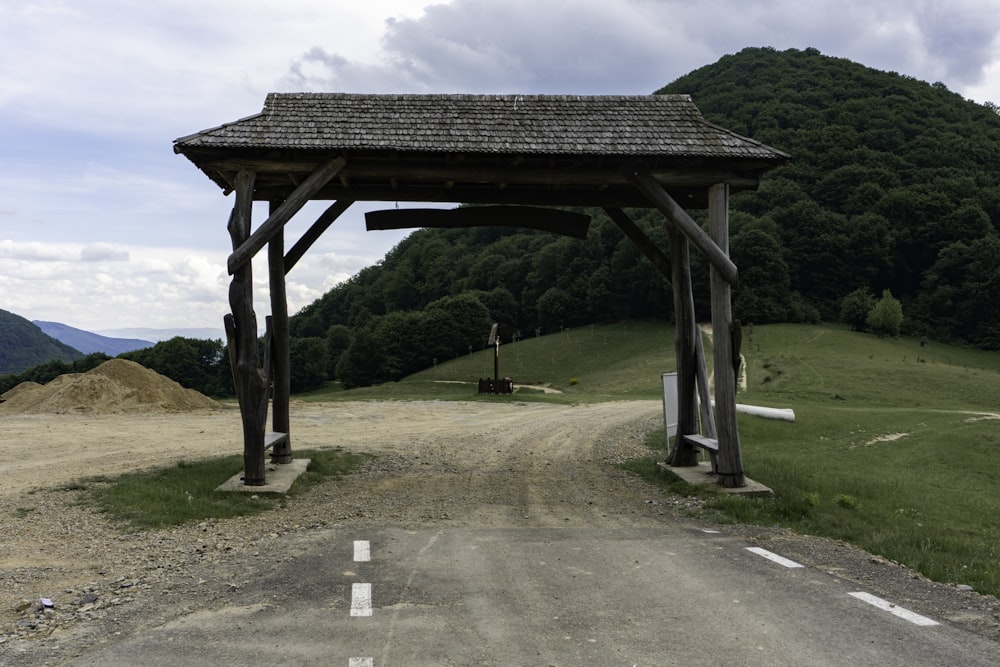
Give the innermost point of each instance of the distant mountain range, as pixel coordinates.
(25, 344)
(89, 342)
(157, 335)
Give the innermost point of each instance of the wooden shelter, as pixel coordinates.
(653, 151)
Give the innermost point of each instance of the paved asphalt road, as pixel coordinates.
(673, 595)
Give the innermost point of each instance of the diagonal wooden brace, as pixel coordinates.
(299, 197)
(656, 194)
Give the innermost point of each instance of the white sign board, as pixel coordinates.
(670, 405)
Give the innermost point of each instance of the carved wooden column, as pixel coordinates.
(724, 351)
(241, 333)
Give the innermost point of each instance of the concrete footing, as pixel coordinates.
(702, 474)
(278, 478)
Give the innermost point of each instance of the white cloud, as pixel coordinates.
(637, 46)
(122, 67)
(103, 252)
(102, 226)
(102, 286)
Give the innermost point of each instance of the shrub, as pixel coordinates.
(886, 317)
(856, 307)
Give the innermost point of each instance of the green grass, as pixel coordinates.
(926, 498)
(186, 493)
(883, 452)
(589, 364)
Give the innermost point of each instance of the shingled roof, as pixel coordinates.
(408, 142)
(660, 125)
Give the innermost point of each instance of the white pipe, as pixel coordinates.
(767, 413)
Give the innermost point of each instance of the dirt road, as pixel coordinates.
(468, 464)
(474, 462)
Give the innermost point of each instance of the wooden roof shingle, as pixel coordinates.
(647, 125)
(529, 149)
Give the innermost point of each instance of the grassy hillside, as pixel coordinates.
(893, 448)
(23, 345)
(787, 366)
(596, 363)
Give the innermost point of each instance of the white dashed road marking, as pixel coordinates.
(361, 600)
(780, 560)
(885, 605)
(361, 596)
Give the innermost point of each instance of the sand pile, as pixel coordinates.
(116, 386)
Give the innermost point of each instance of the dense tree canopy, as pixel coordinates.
(202, 365)
(892, 181)
(894, 185)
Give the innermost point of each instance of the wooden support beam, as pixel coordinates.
(241, 333)
(552, 220)
(645, 244)
(280, 356)
(685, 348)
(491, 169)
(730, 458)
(299, 197)
(323, 222)
(656, 194)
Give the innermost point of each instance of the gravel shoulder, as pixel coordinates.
(438, 464)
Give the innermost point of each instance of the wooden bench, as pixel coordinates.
(272, 438)
(710, 445)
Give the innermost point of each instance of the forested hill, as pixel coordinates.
(23, 345)
(894, 184)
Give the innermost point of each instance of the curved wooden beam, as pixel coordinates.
(552, 220)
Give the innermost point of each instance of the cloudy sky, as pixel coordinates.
(103, 227)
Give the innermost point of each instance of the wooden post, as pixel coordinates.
(717, 257)
(241, 333)
(730, 458)
(280, 356)
(685, 346)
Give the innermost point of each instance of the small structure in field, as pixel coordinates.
(527, 156)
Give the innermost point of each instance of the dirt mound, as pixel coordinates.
(116, 386)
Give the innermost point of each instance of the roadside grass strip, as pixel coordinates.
(771, 556)
(885, 605)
